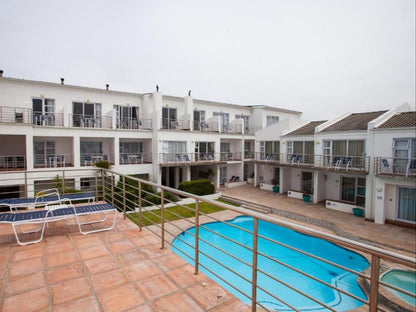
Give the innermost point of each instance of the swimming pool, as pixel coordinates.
(184, 243)
(402, 279)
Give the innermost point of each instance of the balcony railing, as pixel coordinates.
(232, 128)
(335, 163)
(15, 115)
(395, 166)
(228, 156)
(135, 158)
(12, 162)
(48, 119)
(134, 124)
(89, 121)
(53, 161)
(206, 126)
(92, 159)
(176, 124)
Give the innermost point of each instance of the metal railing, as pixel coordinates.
(90, 121)
(137, 201)
(186, 158)
(48, 119)
(176, 124)
(130, 196)
(207, 126)
(17, 115)
(53, 160)
(336, 163)
(12, 162)
(135, 158)
(134, 123)
(394, 166)
(92, 159)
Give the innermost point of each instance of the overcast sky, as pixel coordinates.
(321, 57)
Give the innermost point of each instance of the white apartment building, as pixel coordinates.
(169, 139)
(355, 160)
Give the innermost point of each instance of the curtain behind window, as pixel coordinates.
(339, 148)
(407, 204)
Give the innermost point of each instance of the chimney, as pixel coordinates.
(1, 73)
(107, 86)
(62, 81)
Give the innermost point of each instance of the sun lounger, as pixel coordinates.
(52, 213)
(44, 197)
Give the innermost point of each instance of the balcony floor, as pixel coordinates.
(119, 270)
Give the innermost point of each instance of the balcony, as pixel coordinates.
(134, 124)
(389, 166)
(206, 126)
(135, 159)
(89, 121)
(12, 162)
(353, 164)
(92, 159)
(169, 124)
(15, 115)
(48, 119)
(182, 159)
(54, 161)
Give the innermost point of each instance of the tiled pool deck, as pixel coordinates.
(125, 270)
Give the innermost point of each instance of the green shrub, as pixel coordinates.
(156, 200)
(197, 187)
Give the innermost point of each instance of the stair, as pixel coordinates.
(247, 205)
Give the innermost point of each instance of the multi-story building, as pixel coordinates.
(170, 139)
(355, 160)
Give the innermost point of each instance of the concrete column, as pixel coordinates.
(189, 111)
(379, 211)
(315, 186)
(29, 152)
(77, 151)
(116, 149)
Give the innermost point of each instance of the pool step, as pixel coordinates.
(247, 205)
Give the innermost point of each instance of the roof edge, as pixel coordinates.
(387, 115)
(328, 123)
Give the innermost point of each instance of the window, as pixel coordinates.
(204, 150)
(354, 149)
(246, 121)
(353, 190)
(43, 111)
(172, 148)
(132, 148)
(91, 148)
(43, 150)
(199, 120)
(269, 150)
(169, 117)
(126, 116)
(307, 182)
(86, 114)
(272, 120)
(304, 150)
(224, 119)
(406, 206)
(403, 152)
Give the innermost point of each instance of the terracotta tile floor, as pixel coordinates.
(125, 269)
(119, 270)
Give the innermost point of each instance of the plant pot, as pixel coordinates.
(358, 212)
(275, 189)
(306, 198)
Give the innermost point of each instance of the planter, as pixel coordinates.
(358, 212)
(306, 198)
(275, 189)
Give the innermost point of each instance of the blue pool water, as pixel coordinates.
(183, 246)
(402, 279)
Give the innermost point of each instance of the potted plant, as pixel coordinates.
(358, 212)
(306, 198)
(275, 187)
